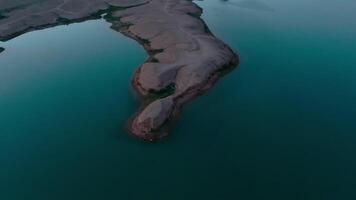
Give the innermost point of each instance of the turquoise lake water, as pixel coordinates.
(281, 126)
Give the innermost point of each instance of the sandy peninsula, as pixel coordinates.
(185, 58)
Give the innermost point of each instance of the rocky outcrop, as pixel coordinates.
(185, 59)
(21, 16)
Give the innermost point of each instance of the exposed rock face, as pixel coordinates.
(185, 58)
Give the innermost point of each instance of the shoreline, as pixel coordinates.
(184, 61)
(157, 115)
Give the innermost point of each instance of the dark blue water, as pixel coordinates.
(280, 127)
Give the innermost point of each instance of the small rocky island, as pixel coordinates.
(185, 58)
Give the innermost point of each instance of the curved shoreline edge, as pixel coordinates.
(185, 58)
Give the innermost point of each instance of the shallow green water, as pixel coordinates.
(281, 126)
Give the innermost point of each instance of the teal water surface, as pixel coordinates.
(281, 126)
